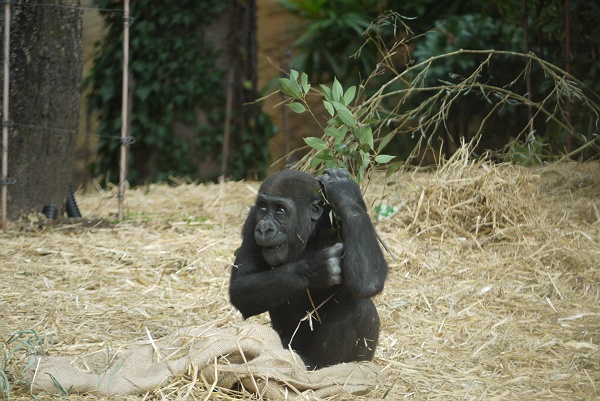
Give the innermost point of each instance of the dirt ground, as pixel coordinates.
(493, 291)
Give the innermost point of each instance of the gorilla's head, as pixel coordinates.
(288, 207)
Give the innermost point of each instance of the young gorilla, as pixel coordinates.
(291, 261)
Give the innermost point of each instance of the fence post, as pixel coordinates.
(5, 95)
(124, 110)
(227, 132)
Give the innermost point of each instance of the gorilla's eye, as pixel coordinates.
(280, 209)
(262, 206)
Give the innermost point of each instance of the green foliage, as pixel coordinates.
(4, 385)
(253, 152)
(347, 142)
(172, 69)
(355, 136)
(332, 35)
(471, 31)
(438, 32)
(174, 81)
(525, 154)
(19, 347)
(547, 24)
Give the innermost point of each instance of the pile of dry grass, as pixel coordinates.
(469, 199)
(493, 290)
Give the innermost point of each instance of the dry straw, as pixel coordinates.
(493, 291)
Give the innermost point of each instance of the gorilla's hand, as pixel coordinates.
(341, 191)
(325, 267)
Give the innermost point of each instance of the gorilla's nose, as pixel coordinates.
(265, 228)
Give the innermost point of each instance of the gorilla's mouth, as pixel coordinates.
(270, 245)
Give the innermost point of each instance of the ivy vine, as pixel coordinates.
(174, 76)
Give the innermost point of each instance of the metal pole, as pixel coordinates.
(525, 14)
(5, 95)
(569, 139)
(124, 110)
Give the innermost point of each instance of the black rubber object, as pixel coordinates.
(71, 206)
(50, 211)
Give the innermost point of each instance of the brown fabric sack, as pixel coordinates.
(249, 355)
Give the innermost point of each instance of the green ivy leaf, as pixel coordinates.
(296, 107)
(315, 143)
(143, 92)
(382, 159)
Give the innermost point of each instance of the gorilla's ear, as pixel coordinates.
(316, 209)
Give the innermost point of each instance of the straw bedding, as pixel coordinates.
(493, 292)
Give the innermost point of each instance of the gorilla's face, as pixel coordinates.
(283, 228)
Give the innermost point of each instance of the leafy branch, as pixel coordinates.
(428, 117)
(420, 101)
(347, 141)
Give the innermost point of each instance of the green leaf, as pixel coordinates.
(365, 159)
(386, 139)
(393, 168)
(339, 147)
(304, 82)
(329, 107)
(382, 159)
(365, 147)
(349, 95)
(325, 154)
(344, 114)
(142, 92)
(290, 88)
(364, 135)
(296, 107)
(336, 90)
(294, 75)
(334, 132)
(326, 93)
(315, 143)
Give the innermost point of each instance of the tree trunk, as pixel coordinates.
(45, 84)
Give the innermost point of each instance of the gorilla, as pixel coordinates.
(310, 257)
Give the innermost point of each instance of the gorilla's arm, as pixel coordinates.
(256, 287)
(363, 265)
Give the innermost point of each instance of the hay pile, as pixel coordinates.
(493, 292)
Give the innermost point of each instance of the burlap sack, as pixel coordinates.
(250, 355)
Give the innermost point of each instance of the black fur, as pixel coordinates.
(290, 254)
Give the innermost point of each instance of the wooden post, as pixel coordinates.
(227, 130)
(124, 110)
(5, 96)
